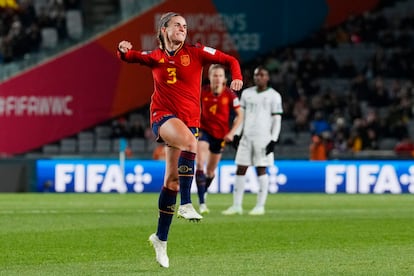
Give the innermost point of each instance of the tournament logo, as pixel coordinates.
(185, 60)
(184, 169)
(171, 207)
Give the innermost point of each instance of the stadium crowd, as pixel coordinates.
(21, 23)
(373, 103)
(376, 102)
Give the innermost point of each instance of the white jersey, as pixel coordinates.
(259, 107)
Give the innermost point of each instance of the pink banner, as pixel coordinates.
(57, 99)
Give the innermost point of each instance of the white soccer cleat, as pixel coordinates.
(187, 211)
(257, 211)
(204, 209)
(233, 210)
(160, 250)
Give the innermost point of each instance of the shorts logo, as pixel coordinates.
(185, 60)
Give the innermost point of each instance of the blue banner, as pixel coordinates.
(106, 176)
(270, 24)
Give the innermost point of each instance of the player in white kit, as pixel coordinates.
(256, 139)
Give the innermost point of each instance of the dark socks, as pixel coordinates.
(201, 185)
(186, 175)
(166, 205)
(208, 181)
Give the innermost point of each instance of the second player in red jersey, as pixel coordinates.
(218, 102)
(216, 111)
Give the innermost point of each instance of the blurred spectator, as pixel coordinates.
(301, 113)
(362, 136)
(371, 142)
(405, 148)
(330, 101)
(137, 129)
(319, 124)
(307, 70)
(33, 37)
(379, 96)
(348, 69)
(21, 24)
(377, 65)
(360, 87)
(57, 14)
(120, 128)
(340, 135)
(317, 148)
(16, 39)
(353, 108)
(372, 122)
(159, 152)
(27, 13)
(149, 134)
(396, 121)
(357, 137)
(289, 63)
(355, 140)
(72, 4)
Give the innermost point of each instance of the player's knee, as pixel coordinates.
(189, 144)
(241, 170)
(261, 170)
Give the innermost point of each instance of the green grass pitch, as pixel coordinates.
(301, 234)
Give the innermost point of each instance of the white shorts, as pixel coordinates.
(253, 153)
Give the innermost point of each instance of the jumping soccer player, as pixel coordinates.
(175, 113)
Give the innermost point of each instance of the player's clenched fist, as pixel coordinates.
(124, 46)
(236, 85)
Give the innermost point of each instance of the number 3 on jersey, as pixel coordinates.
(172, 74)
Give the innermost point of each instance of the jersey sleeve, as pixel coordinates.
(211, 55)
(133, 56)
(234, 99)
(277, 107)
(242, 100)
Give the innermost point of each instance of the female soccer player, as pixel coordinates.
(175, 113)
(217, 102)
(262, 114)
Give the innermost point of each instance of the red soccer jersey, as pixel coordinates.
(215, 112)
(177, 79)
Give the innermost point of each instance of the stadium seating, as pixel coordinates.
(68, 146)
(49, 38)
(74, 24)
(98, 140)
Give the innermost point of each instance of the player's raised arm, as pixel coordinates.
(127, 54)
